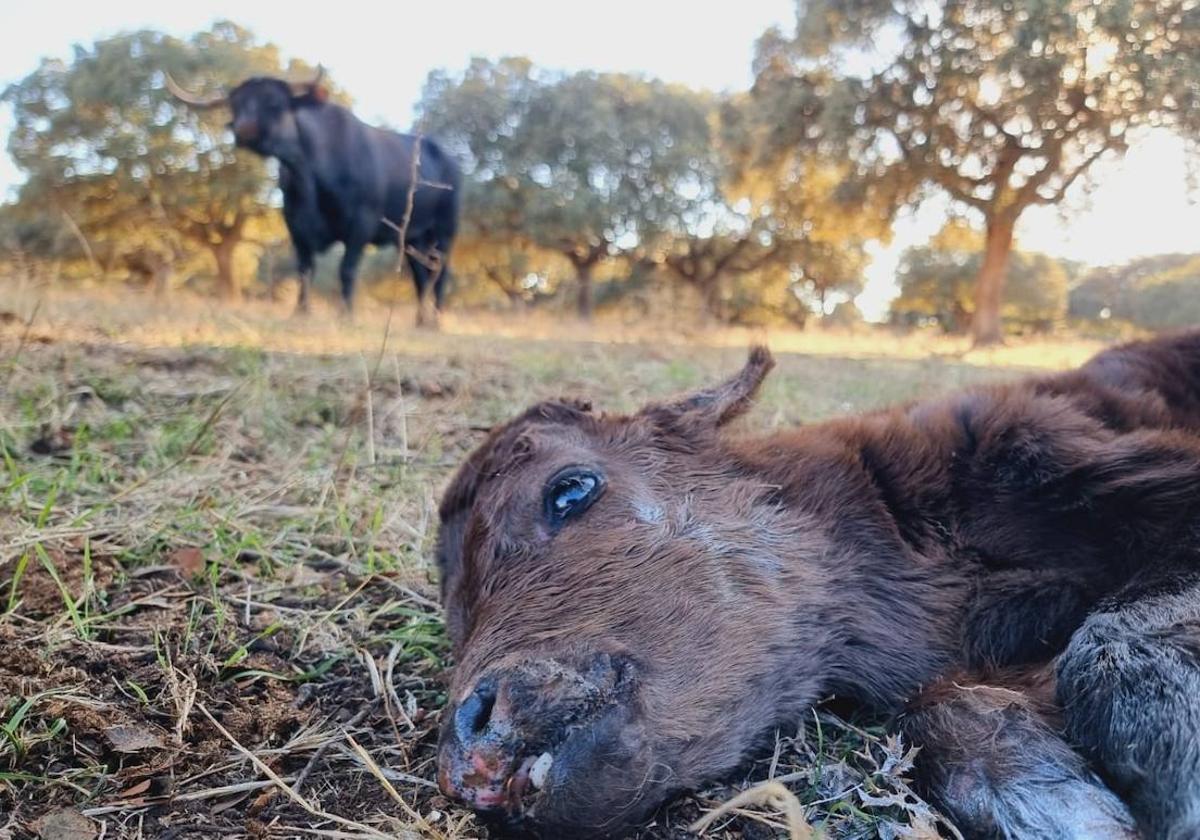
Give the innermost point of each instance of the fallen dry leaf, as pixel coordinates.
(131, 739)
(65, 824)
(137, 790)
(189, 561)
(305, 576)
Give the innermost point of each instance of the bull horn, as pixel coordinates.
(192, 99)
(301, 88)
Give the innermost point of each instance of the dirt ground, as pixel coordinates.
(218, 616)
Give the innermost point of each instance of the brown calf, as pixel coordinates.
(634, 601)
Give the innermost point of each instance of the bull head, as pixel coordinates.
(262, 109)
(621, 596)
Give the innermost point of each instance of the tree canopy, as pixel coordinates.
(606, 169)
(587, 166)
(139, 177)
(999, 104)
(1156, 293)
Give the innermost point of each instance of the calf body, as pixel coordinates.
(1010, 570)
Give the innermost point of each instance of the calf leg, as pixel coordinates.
(1129, 685)
(991, 761)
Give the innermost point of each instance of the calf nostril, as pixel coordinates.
(474, 713)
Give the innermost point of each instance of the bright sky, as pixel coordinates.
(382, 52)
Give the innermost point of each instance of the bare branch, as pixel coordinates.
(1061, 192)
(951, 180)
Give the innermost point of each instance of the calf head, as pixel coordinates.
(620, 611)
(262, 110)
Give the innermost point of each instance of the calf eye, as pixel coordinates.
(570, 493)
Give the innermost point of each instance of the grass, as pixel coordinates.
(217, 609)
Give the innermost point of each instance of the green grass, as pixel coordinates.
(249, 531)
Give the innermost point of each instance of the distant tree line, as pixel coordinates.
(1152, 293)
(588, 187)
(1000, 105)
(595, 183)
(124, 181)
(594, 189)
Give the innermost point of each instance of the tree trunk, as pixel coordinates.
(162, 281)
(989, 285)
(959, 319)
(227, 282)
(583, 271)
(710, 286)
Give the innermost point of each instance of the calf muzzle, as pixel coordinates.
(501, 742)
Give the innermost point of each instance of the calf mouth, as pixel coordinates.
(512, 752)
(558, 791)
(523, 792)
(528, 768)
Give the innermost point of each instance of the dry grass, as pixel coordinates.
(185, 320)
(217, 611)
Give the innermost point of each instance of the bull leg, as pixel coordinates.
(443, 276)
(306, 275)
(1129, 684)
(304, 261)
(302, 217)
(348, 273)
(302, 306)
(439, 289)
(998, 769)
(426, 317)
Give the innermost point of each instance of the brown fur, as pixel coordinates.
(730, 582)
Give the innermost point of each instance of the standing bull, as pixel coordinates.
(345, 181)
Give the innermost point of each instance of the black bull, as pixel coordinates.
(349, 182)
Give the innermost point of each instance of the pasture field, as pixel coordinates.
(218, 615)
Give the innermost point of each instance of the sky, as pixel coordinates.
(381, 53)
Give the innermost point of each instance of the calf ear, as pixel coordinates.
(721, 403)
